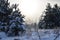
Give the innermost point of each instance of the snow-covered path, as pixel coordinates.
(33, 35)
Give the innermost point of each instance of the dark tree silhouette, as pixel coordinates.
(51, 19)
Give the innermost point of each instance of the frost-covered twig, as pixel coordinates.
(39, 35)
(57, 35)
(37, 29)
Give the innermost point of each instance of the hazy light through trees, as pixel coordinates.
(32, 9)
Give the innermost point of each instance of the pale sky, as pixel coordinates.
(32, 9)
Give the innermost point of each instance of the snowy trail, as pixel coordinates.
(33, 35)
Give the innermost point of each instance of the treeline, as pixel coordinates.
(50, 18)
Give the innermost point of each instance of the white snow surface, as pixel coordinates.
(33, 35)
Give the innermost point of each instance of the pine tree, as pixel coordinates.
(4, 12)
(16, 22)
(51, 18)
(11, 21)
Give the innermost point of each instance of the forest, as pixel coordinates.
(14, 27)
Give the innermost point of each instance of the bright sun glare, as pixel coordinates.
(30, 8)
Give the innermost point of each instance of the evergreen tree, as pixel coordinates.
(51, 18)
(11, 21)
(5, 11)
(16, 22)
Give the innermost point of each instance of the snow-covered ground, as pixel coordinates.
(34, 35)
